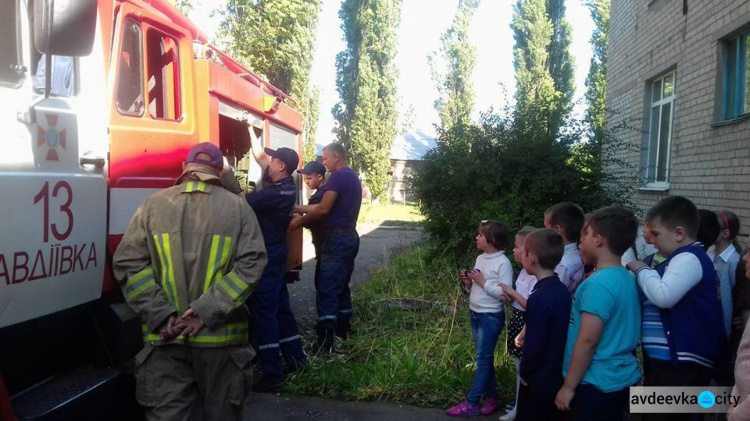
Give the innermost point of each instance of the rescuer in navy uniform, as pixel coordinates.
(315, 178)
(340, 209)
(274, 325)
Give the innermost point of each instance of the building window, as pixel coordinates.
(736, 78)
(658, 140)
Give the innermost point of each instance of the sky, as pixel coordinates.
(422, 23)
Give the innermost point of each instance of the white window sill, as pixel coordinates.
(655, 187)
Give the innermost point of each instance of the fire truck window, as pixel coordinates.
(163, 65)
(129, 76)
(11, 71)
(63, 75)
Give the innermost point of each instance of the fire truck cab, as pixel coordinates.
(100, 101)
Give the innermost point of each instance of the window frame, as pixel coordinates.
(733, 77)
(147, 28)
(650, 181)
(179, 111)
(18, 26)
(141, 83)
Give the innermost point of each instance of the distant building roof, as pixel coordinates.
(410, 146)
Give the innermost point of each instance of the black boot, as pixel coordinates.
(268, 384)
(325, 341)
(343, 328)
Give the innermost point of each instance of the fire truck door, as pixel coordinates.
(151, 113)
(54, 219)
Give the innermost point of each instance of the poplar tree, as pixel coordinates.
(561, 66)
(596, 82)
(184, 6)
(456, 92)
(406, 123)
(311, 116)
(276, 40)
(366, 116)
(543, 65)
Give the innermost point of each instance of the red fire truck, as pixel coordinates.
(100, 100)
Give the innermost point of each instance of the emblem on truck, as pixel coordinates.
(52, 137)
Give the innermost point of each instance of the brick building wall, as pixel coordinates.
(709, 156)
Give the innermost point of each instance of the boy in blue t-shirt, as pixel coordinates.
(599, 364)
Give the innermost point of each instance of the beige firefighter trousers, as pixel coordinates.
(176, 382)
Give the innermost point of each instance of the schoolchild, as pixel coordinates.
(686, 330)
(600, 364)
(487, 316)
(726, 257)
(547, 314)
(518, 295)
(567, 219)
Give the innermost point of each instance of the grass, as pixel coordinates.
(423, 358)
(394, 215)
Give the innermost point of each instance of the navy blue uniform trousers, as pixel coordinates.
(334, 298)
(274, 326)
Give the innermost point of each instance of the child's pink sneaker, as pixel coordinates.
(489, 406)
(463, 409)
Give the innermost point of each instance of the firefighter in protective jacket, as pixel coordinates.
(190, 257)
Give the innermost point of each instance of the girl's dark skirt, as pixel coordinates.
(515, 325)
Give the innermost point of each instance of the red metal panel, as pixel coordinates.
(228, 85)
(235, 89)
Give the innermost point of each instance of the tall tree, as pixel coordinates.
(276, 39)
(184, 6)
(311, 116)
(456, 93)
(366, 116)
(560, 60)
(596, 82)
(544, 84)
(406, 120)
(536, 96)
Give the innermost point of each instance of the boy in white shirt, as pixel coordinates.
(682, 321)
(567, 219)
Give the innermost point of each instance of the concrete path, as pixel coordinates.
(261, 407)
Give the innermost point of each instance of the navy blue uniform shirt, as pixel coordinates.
(316, 227)
(547, 316)
(273, 206)
(317, 196)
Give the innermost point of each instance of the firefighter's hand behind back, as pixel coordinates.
(169, 330)
(190, 323)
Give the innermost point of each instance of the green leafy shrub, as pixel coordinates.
(505, 169)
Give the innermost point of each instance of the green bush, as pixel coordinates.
(512, 172)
